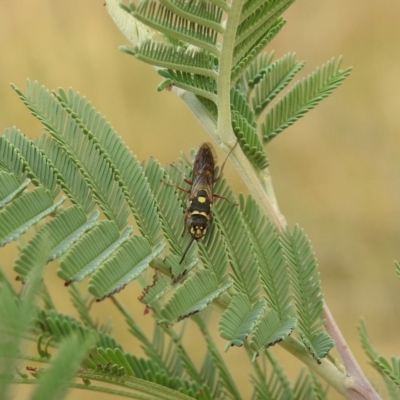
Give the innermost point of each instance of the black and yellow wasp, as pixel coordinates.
(198, 214)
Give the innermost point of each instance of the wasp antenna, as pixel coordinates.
(186, 250)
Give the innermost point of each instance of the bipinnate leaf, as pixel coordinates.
(131, 259)
(270, 330)
(194, 295)
(238, 320)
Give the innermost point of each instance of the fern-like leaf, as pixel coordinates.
(257, 69)
(130, 260)
(238, 320)
(303, 97)
(158, 17)
(246, 52)
(390, 370)
(91, 251)
(69, 175)
(274, 384)
(62, 231)
(138, 192)
(267, 248)
(41, 170)
(11, 160)
(307, 292)
(94, 165)
(275, 78)
(270, 330)
(175, 58)
(55, 381)
(244, 126)
(25, 211)
(10, 187)
(195, 294)
(238, 243)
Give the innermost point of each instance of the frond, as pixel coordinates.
(366, 343)
(169, 206)
(272, 384)
(55, 381)
(257, 68)
(397, 265)
(112, 360)
(194, 295)
(390, 370)
(306, 291)
(131, 259)
(238, 243)
(303, 97)
(41, 171)
(267, 248)
(138, 195)
(244, 126)
(76, 141)
(225, 378)
(274, 79)
(198, 62)
(247, 51)
(11, 160)
(10, 187)
(25, 211)
(198, 84)
(60, 326)
(91, 251)
(270, 330)
(69, 175)
(239, 319)
(16, 316)
(159, 17)
(257, 19)
(62, 231)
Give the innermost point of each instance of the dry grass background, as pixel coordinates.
(336, 172)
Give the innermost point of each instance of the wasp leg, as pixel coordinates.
(176, 187)
(189, 182)
(224, 198)
(223, 165)
(184, 222)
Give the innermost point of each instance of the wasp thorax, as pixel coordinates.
(197, 226)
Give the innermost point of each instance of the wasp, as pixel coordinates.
(201, 197)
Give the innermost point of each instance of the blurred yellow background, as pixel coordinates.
(336, 171)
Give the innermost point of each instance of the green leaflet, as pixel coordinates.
(91, 251)
(239, 319)
(198, 62)
(41, 170)
(10, 187)
(158, 17)
(80, 146)
(195, 294)
(62, 231)
(130, 260)
(238, 243)
(274, 79)
(303, 97)
(307, 293)
(55, 381)
(392, 371)
(11, 160)
(127, 167)
(267, 249)
(70, 177)
(59, 326)
(244, 126)
(25, 211)
(270, 330)
(17, 314)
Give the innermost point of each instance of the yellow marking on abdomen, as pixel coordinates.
(202, 199)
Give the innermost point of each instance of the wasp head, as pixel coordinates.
(197, 224)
